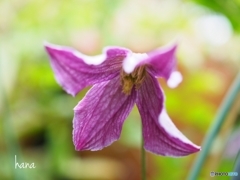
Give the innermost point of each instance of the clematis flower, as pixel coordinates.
(120, 78)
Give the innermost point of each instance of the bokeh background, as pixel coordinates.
(36, 114)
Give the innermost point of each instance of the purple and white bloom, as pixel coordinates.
(120, 78)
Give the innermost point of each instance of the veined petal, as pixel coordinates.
(74, 70)
(160, 134)
(99, 116)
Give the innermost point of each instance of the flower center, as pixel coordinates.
(135, 78)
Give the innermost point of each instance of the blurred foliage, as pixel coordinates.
(36, 114)
(230, 8)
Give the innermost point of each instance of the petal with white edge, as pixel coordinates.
(75, 71)
(132, 61)
(160, 134)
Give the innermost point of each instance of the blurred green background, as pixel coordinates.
(36, 114)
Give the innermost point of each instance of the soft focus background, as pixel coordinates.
(36, 114)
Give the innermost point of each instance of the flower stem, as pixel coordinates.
(237, 166)
(215, 127)
(143, 160)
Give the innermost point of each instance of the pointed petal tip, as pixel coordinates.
(173, 44)
(198, 148)
(170, 47)
(47, 45)
(179, 154)
(195, 148)
(176, 137)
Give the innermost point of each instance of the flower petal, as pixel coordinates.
(74, 71)
(99, 116)
(160, 134)
(162, 61)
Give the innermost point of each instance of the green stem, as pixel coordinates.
(237, 167)
(214, 129)
(143, 160)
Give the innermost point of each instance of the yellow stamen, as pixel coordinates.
(133, 79)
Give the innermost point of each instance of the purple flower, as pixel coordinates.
(120, 78)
